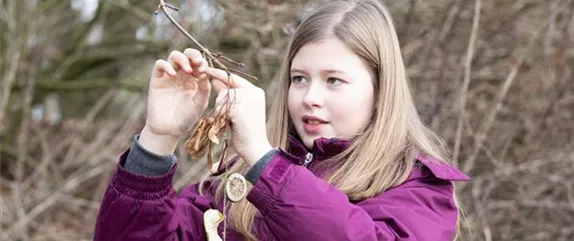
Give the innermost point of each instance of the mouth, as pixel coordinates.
(313, 125)
(313, 120)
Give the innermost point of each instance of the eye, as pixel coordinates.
(297, 79)
(334, 81)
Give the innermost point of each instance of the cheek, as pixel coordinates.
(292, 103)
(352, 113)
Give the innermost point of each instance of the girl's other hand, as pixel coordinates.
(246, 113)
(177, 98)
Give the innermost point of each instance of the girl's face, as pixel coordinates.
(331, 93)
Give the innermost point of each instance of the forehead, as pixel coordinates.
(327, 54)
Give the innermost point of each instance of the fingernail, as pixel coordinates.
(188, 69)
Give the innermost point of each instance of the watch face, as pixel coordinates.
(235, 187)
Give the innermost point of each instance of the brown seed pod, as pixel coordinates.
(217, 128)
(209, 155)
(207, 133)
(195, 145)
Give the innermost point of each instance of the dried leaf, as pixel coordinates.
(213, 133)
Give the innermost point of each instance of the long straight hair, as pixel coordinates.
(385, 151)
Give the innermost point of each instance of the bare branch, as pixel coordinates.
(467, 71)
(489, 119)
(163, 6)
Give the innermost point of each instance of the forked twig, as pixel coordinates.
(163, 7)
(211, 129)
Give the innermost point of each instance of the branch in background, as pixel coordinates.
(71, 53)
(22, 140)
(407, 21)
(137, 12)
(87, 84)
(7, 149)
(73, 184)
(489, 119)
(7, 83)
(467, 71)
(163, 6)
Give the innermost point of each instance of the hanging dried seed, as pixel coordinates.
(217, 128)
(195, 145)
(210, 156)
(213, 132)
(223, 155)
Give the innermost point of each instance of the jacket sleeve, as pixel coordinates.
(140, 207)
(297, 205)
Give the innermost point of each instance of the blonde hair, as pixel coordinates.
(367, 29)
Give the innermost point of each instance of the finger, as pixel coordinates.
(161, 66)
(194, 56)
(220, 76)
(203, 67)
(218, 85)
(179, 61)
(198, 63)
(225, 99)
(220, 96)
(219, 107)
(203, 84)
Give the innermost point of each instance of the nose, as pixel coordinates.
(314, 97)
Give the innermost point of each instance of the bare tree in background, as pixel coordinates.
(493, 78)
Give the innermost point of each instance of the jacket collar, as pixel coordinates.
(323, 148)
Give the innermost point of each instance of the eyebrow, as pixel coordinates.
(325, 71)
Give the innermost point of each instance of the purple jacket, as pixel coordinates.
(294, 204)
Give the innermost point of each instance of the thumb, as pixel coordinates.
(221, 79)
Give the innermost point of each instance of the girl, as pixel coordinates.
(343, 155)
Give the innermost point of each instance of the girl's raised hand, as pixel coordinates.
(178, 95)
(246, 105)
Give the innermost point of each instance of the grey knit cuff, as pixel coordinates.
(255, 172)
(144, 162)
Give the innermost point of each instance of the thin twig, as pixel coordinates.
(8, 81)
(467, 71)
(163, 6)
(407, 20)
(221, 56)
(489, 119)
(20, 211)
(448, 23)
(71, 185)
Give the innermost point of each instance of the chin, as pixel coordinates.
(308, 143)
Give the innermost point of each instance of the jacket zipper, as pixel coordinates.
(308, 159)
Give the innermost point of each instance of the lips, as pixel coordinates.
(313, 124)
(313, 120)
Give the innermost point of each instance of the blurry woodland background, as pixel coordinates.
(494, 78)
